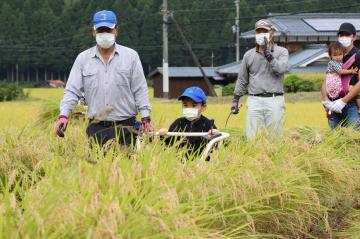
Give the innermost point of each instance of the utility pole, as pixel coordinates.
(237, 25)
(194, 57)
(212, 59)
(165, 50)
(17, 73)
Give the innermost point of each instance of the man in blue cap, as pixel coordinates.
(111, 78)
(194, 104)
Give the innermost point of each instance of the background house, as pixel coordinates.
(297, 31)
(181, 78)
(306, 36)
(50, 84)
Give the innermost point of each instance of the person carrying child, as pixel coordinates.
(336, 69)
(343, 103)
(194, 104)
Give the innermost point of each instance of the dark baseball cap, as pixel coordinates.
(347, 27)
(265, 24)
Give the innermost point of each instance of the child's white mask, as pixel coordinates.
(191, 113)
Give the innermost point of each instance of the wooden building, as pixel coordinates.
(181, 78)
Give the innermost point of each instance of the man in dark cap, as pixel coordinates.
(344, 110)
(261, 75)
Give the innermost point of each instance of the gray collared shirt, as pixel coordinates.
(257, 75)
(113, 92)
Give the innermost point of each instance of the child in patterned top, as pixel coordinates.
(335, 70)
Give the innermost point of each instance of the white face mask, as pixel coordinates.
(191, 113)
(345, 41)
(259, 37)
(105, 40)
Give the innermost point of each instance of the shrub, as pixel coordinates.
(306, 86)
(293, 83)
(317, 84)
(228, 89)
(10, 91)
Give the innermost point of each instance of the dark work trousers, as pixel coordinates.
(103, 131)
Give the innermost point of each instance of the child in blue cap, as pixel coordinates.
(194, 104)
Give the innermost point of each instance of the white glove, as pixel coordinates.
(328, 104)
(338, 106)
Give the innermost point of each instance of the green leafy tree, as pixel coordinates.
(48, 34)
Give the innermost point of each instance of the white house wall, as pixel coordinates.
(325, 55)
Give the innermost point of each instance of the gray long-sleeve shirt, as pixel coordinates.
(257, 75)
(114, 91)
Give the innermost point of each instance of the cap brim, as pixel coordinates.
(105, 24)
(262, 27)
(346, 31)
(196, 100)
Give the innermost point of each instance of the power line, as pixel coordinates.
(250, 4)
(207, 1)
(273, 15)
(202, 10)
(138, 47)
(242, 7)
(38, 48)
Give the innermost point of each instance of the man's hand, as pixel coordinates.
(338, 106)
(235, 105)
(61, 125)
(146, 125)
(267, 50)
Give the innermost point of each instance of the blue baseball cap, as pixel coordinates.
(104, 18)
(195, 93)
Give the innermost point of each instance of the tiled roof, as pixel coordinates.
(309, 52)
(297, 60)
(232, 68)
(309, 25)
(186, 72)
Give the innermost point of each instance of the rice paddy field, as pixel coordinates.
(305, 184)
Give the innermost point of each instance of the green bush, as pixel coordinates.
(317, 84)
(228, 89)
(306, 86)
(10, 91)
(293, 83)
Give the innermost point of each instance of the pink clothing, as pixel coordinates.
(333, 85)
(345, 79)
(337, 86)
